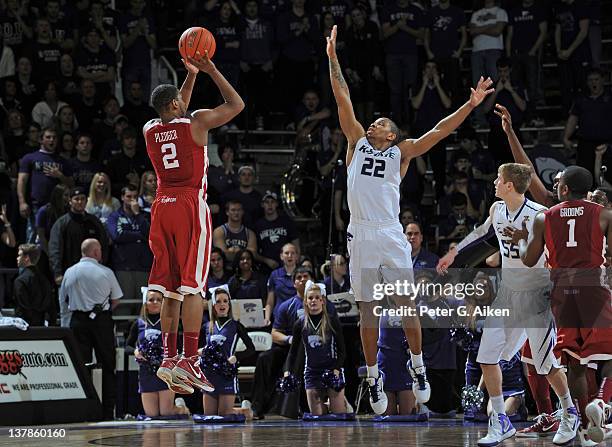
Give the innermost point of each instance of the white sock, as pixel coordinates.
(417, 359)
(373, 371)
(497, 402)
(566, 401)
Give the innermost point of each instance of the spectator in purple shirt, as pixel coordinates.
(280, 283)
(402, 24)
(84, 166)
(227, 35)
(96, 62)
(49, 213)
(39, 172)
(246, 194)
(571, 32)
(526, 34)
(298, 34)
(445, 39)
(138, 36)
(421, 258)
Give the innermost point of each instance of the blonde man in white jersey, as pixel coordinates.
(377, 160)
(525, 293)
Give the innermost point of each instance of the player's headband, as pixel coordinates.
(213, 293)
(310, 284)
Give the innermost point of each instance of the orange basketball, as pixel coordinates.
(197, 39)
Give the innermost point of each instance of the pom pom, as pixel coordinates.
(472, 398)
(330, 380)
(214, 361)
(463, 337)
(288, 384)
(153, 352)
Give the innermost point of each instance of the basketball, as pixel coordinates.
(197, 39)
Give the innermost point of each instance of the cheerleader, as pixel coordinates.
(393, 351)
(144, 338)
(321, 335)
(224, 331)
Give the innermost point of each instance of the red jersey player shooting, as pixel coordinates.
(574, 232)
(181, 232)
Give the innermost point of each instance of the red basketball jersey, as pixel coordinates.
(573, 236)
(178, 161)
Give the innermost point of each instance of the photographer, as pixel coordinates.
(457, 224)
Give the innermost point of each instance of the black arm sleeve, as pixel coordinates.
(130, 342)
(295, 343)
(244, 336)
(340, 346)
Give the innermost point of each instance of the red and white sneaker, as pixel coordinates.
(188, 370)
(180, 387)
(544, 425)
(598, 414)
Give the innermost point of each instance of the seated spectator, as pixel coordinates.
(233, 236)
(66, 146)
(65, 121)
(112, 146)
(407, 215)
(305, 261)
(246, 194)
(131, 258)
(483, 164)
(100, 203)
(280, 282)
(421, 258)
(130, 164)
(84, 167)
(148, 188)
(105, 130)
(310, 118)
(48, 214)
(457, 224)
(336, 277)
(136, 106)
(87, 106)
(224, 178)
(273, 231)
(246, 283)
(514, 98)
(474, 195)
(45, 111)
(32, 291)
(217, 275)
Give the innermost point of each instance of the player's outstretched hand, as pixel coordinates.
(515, 234)
(505, 116)
(331, 43)
(481, 92)
(192, 69)
(202, 62)
(445, 262)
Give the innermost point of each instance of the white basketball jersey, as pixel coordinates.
(374, 178)
(515, 274)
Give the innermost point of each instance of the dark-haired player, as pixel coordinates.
(573, 233)
(377, 160)
(180, 236)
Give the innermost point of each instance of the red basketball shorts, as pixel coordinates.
(584, 323)
(180, 239)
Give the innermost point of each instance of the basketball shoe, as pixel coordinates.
(378, 398)
(544, 425)
(570, 422)
(500, 429)
(598, 415)
(164, 372)
(188, 370)
(420, 385)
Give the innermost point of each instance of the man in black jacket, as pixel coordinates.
(32, 291)
(70, 230)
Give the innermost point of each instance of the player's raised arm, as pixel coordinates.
(530, 251)
(415, 147)
(349, 124)
(233, 105)
(536, 188)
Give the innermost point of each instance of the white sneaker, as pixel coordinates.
(598, 414)
(500, 429)
(585, 440)
(378, 398)
(567, 427)
(349, 407)
(420, 385)
(179, 403)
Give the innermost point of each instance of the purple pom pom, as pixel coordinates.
(330, 380)
(288, 384)
(214, 361)
(472, 398)
(153, 352)
(463, 337)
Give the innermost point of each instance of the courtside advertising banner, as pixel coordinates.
(36, 370)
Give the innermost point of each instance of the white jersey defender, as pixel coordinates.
(525, 293)
(378, 249)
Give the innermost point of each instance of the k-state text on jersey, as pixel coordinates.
(370, 151)
(161, 137)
